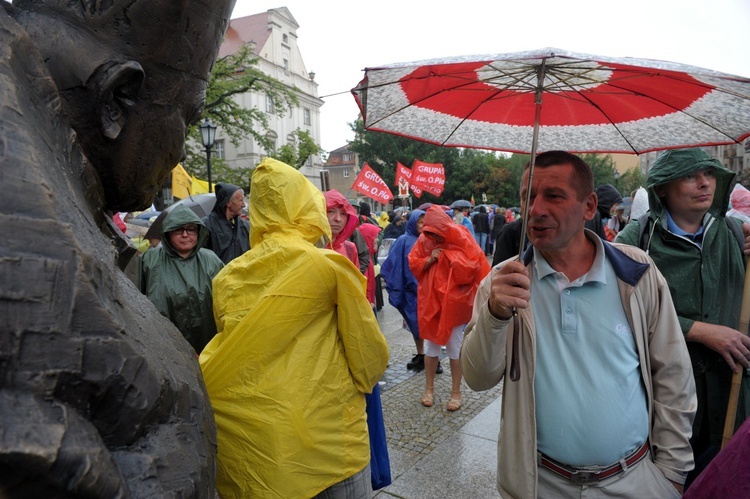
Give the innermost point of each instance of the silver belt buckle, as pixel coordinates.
(584, 477)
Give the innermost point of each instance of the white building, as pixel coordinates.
(273, 38)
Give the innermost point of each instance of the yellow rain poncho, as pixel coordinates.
(297, 348)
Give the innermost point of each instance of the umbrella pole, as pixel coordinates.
(734, 391)
(515, 370)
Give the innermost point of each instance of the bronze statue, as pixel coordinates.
(100, 396)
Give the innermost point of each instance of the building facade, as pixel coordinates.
(272, 35)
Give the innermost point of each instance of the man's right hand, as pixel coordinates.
(509, 289)
(730, 343)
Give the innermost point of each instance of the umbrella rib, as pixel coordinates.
(653, 99)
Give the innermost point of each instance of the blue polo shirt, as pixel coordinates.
(696, 238)
(590, 400)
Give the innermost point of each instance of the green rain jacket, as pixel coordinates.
(181, 287)
(705, 283)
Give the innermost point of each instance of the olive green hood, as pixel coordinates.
(679, 163)
(178, 217)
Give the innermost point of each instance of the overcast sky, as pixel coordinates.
(338, 39)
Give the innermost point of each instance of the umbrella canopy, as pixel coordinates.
(551, 99)
(461, 203)
(576, 102)
(201, 204)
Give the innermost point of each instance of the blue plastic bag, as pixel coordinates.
(380, 463)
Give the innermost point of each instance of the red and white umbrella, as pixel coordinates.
(576, 102)
(551, 99)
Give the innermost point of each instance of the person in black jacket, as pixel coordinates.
(229, 234)
(481, 222)
(607, 196)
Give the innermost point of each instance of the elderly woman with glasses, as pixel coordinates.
(177, 275)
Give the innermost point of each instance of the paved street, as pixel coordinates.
(435, 453)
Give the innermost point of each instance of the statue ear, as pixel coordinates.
(117, 88)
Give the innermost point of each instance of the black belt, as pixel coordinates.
(587, 475)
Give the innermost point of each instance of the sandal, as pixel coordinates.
(454, 403)
(427, 399)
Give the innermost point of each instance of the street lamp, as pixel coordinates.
(208, 136)
(617, 177)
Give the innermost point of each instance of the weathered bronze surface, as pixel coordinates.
(100, 396)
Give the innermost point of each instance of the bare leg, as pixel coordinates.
(420, 345)
(430, 365)
(455, 402)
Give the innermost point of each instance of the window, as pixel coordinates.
(269, 104)
(218, 149)
(348, 157)
(286, 64)
(308, 120)
(285, 38)
(346, 173)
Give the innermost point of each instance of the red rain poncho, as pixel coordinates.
(446, 289)
(341, 243)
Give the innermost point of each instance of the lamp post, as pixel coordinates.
(617, 177)
(208, 135)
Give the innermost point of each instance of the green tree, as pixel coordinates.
(296, 155)
(468, 171)
(231, 76)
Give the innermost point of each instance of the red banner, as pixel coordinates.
(403, 173)
(371, 185)
(429, 176)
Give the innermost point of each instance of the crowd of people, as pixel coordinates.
(609, 372)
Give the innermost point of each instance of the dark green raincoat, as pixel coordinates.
(705, 283)
(181, 287)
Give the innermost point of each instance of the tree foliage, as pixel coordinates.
(232, 76)
(296, 155)
(469, 172)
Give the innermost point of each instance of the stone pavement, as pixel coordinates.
(435, 453)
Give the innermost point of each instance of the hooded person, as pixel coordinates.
(177, 275)
(395, 228)
(228, 232)
(297, 348)
(343, 221)
(402, 285)
(607, 196)
(448, 265)
(365, 213)
(384, 219)
(693, 245)
(342, 227)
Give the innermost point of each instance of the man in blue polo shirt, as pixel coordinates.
(605, 397)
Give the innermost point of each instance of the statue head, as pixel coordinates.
(132, 76)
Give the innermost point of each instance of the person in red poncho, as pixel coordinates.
(343, 220)
(449, 266)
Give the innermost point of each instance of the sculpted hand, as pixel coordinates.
(730, 343)
(509, 288)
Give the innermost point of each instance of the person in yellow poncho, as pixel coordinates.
(297, 348)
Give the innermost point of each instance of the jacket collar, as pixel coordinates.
(626, 269)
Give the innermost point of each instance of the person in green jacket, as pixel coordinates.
(689, 238)
(177, 275)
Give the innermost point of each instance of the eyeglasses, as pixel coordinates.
(191, 231)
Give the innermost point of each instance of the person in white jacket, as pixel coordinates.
(603, 397)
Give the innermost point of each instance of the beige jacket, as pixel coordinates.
(665, 369)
